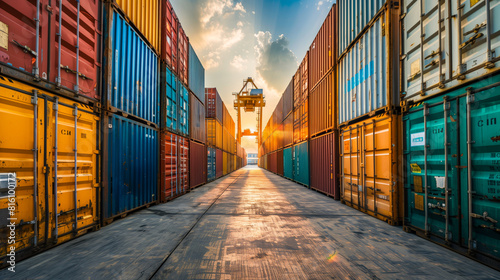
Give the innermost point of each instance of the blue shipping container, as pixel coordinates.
(171, 100)
(211, 164)
(288, 163)
(132, 166)
(134, 74)
(183, 126)
(301, 163)
(196, 75)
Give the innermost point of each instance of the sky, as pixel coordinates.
(262, 39)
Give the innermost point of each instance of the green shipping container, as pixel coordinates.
(452, 146)
(301, 163)
(288, 163)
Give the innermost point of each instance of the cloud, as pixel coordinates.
(276, 63)
(239, 7)
(238, 62)
(321, 2)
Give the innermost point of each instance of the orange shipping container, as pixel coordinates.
(370, 167)
(322, 106)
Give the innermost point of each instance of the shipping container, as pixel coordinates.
(184, 110)
(171, 97)
(169, 42)
(297, 124)
(459, 44)
(225, 163)
(218, 162)
(451, 146)
(272, 162)
(288, 131)
(211, 162)
(47, 56)
(279, 164)
(197, 164)
(354, 16)
(43, 140)
(170, 174)
(369, 71)
(131, 159)
(304, 120)
(133, 72)
(323, 50)
(288, 99)
(304, 77)
(324, 162)
(297, 89)
(322, 106)
(301, 163)
(145, 16)
(196, 75)
(184, 168)
(197, 125)
(183, 60)
(214, 104)
(370, 171)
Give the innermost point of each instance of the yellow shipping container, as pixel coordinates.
(43, 140)
(225, 163)
(218, 133)
(211, 132)
(370, 167)
(145, 15)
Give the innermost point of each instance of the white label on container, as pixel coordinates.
(4, 35)
(439, 182)
(418, 139)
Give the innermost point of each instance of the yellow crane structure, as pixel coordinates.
(250, 98)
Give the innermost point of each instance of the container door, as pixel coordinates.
(433, 160)
(480, 181)
(352, 190)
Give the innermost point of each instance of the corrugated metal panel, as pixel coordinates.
(169, 161)
(301, 163)
(131, 164)
(211, 164)
(324, 164)
(368, 72)
(372, 163)
(218, 162)
(459, 44)
(145, 16)
(196, 75)
(467, 126)
(169, 42)
(197, 120)
(323, 50)
(184, 110)
(354, 15)
(197, 164)
(134, 74)
(171, 103)
(288, 99)
(322, 109)
(37, 173)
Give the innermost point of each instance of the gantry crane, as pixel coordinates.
(249, 98)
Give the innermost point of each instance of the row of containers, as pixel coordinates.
(102, 112)
(395, 110)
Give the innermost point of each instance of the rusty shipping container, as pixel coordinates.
(323, 50)
(145, 16)
(288, 99)
(324, 164)
(323, 106)
(214, 104)
(370, 171)
(218, 163)
(197, 164)
(197, 123)
(44, 139)
(369, 70)
(31, 52)
(169, 35)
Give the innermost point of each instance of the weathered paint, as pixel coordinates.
(196, 75)
(368, 73)
(301, 163)
(37, 173)
(131, 165)
(133, 88)
(437, 155)
(460, 44)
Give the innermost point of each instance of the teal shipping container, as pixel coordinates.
(211, 164)
(183, 127)
(196, 75)
(301, 163)
(452, 146)
(288, 163)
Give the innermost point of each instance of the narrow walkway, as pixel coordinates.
(250, 225)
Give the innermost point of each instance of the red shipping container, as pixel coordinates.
(219, 165)
(183, 56)
(169, 159)
(323, 50)
(184, 167)
(19, 50)
(279, 162)
(273, 162)
(197, 164)
(169, 35)
(323, 162)
(213, 104)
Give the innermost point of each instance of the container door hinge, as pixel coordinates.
(49, 9)
(44, 169)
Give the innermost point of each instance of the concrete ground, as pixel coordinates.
(250, 225)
